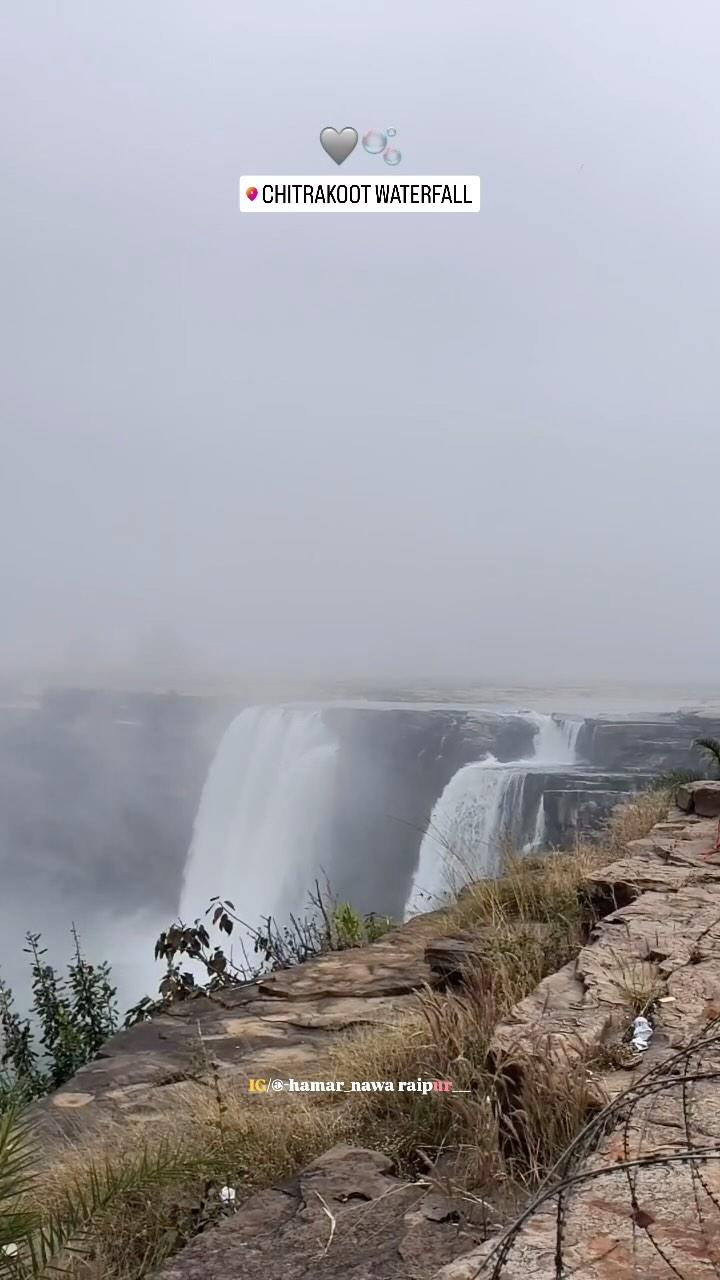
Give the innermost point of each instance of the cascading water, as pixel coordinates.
(555, 740)
(262, 826)
(480, 808)
(538, 835)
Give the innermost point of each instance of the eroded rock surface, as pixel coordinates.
(645, 1201)
(664, 942)
(344, 1216)
(702, 798)
(281, 1025)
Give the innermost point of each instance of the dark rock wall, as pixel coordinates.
(393, 765)
(98, 790)
(658, 745)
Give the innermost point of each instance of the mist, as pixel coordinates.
(375, 447)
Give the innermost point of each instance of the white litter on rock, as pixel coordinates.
(642, 1033)
(227, 1195)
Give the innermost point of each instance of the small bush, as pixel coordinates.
(711, 750)
(329, 926)
(74, 1016)
(43, 1235)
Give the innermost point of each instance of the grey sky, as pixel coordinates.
(485, 446)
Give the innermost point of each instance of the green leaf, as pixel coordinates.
(40, 1239)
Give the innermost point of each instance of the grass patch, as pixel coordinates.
(241, 1143)
(640, 985)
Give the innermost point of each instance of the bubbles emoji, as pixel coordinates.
(391, 132)
(392, 156)
(374, 141)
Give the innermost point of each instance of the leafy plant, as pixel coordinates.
(59, 1037)
(376, 926)
(24, 1079)
(711, 748)
(94, 1012)
(74, 1016)
(32, 1241)
(16, 1224)
(347, 926)
(328, 926)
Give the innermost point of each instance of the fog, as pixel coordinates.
(484, 447)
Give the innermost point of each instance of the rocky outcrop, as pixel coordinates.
(282, 1024)
(645, 1202)
(642, 1194)
(702, 798)
(659, 743)
(450, 958)
(663, 941)
(346, 1217)
(577, 804)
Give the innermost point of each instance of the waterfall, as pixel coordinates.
(481, 808)
(555, 740)
(538, 835)
(261, 831)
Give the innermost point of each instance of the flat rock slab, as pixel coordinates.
(669, 858)
(345, 1216)
(283, 1024)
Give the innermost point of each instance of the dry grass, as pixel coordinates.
(640, 985)
(232, 1141)
(531, 922)
(633, 820)
(484, 1145)
(546, 888)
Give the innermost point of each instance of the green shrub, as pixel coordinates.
(711, 748)
(34, 1238)
(328, 926)
(73, 1016)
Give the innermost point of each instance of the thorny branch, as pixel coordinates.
(681, 1071)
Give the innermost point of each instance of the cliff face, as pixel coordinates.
(392, 766)
(99, 790)
(658, 745)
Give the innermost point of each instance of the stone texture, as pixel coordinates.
(702, 798)
(672, 907)
(283, 1024)
(345, 1216)
(661, 743)
(673, 1228)
(664, 939)
(449, 957)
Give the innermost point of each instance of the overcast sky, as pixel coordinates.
(481, 446)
